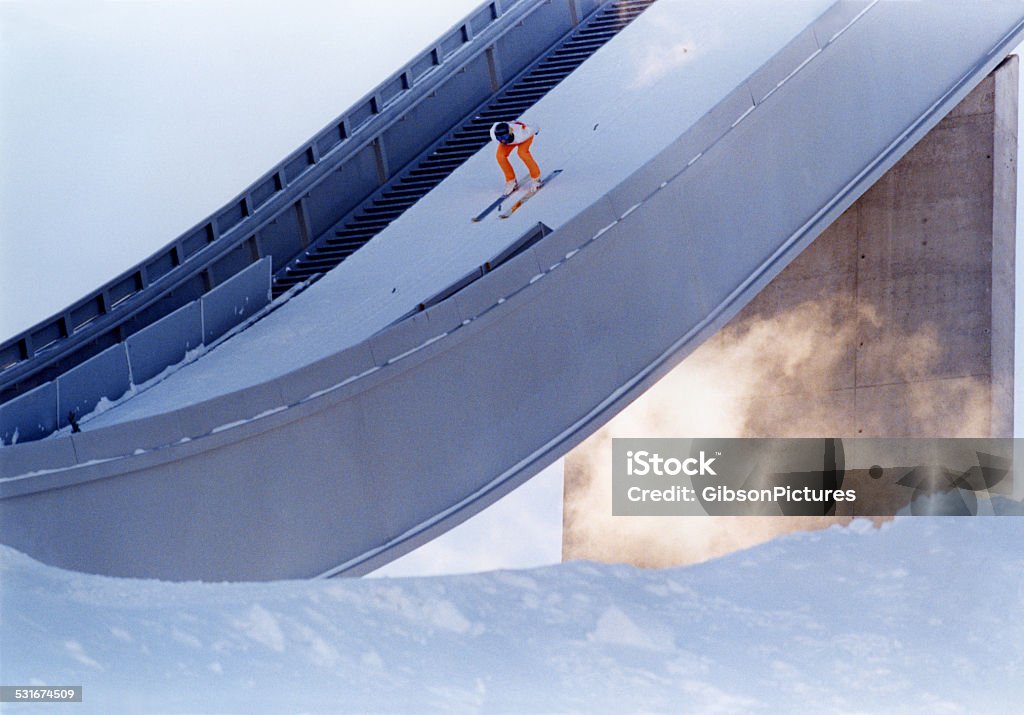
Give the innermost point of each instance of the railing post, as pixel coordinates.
(302, 215)
(380, 154)
(494, 69)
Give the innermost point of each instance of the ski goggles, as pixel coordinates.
(504, 138)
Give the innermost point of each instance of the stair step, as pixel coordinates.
(441, 163)
(349, 245)
(361, 222)
(531, 93)
(350, 234)
(299, 274)
(403, 192)
(383, 212)
(320, 266)
(323, 264)
(467, 142)
(428, 173)
(560, 62)
(399, 203)
(455, 152)
(418, 183)
(492, 115)
(605, 24)
(510, 102)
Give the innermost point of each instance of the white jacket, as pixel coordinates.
(520, 131)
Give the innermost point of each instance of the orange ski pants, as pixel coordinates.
(524, 153)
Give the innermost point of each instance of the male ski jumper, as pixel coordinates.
(518, 136)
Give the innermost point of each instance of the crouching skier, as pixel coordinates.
(518, 136)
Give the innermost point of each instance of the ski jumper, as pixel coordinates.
(522, 138)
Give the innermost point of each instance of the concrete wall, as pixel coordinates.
(922, 268)
(896, 322)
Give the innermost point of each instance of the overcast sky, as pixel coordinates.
(122, 124)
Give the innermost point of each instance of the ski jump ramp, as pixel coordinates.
(703, 148)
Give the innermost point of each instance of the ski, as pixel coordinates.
(526, 196)
(497, 202)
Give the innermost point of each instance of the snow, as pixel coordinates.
(925, 615)
(621, 108)
(54, 470)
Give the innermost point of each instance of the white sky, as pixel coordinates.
(122, 124)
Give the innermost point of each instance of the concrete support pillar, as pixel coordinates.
(897, 321)
(1005, 104)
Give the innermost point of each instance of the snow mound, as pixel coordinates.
(924, 615)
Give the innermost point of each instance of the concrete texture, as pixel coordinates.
(896, 322)
(1004, 233)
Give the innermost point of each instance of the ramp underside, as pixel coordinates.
(342, 464)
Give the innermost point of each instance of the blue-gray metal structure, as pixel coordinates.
(145, 355)
(353, 460)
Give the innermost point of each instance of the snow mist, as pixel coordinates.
(789, 375)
